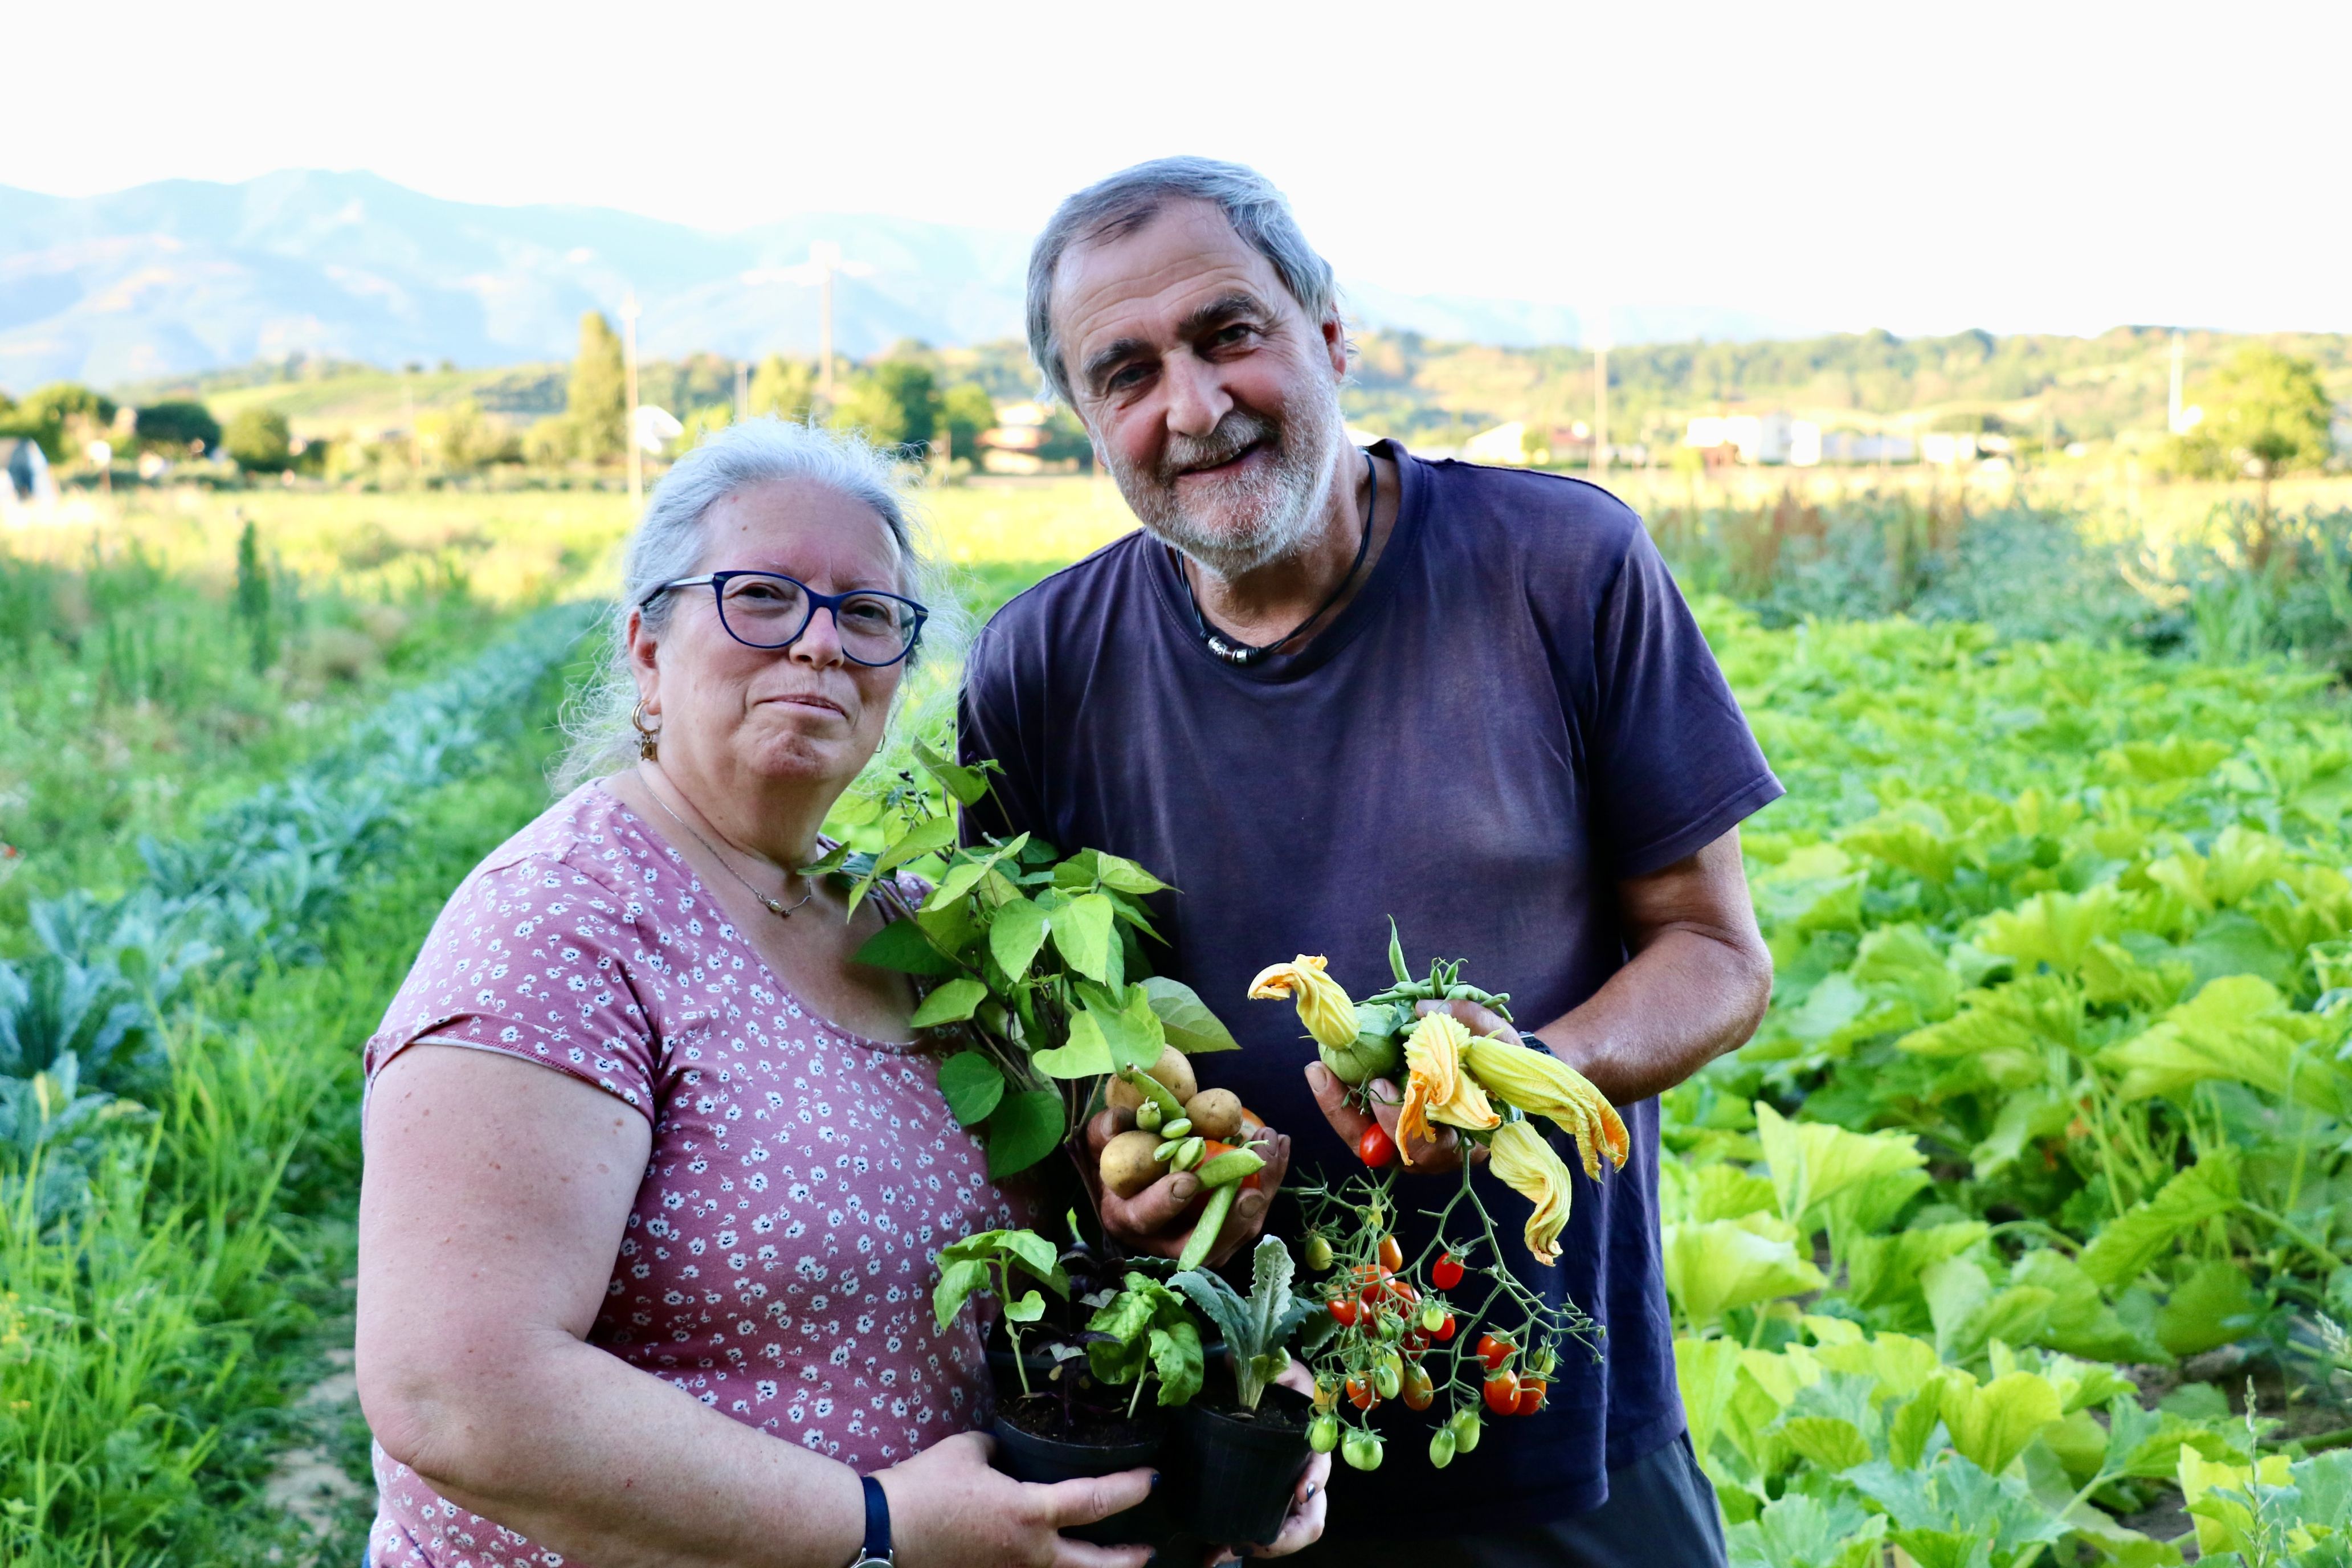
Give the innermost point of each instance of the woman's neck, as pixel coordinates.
(771, 820)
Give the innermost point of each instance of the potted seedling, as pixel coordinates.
(1239, 1447)
(1074, 1415)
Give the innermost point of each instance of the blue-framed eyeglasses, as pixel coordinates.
(770, 610)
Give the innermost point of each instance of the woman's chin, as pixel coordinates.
(810, 760)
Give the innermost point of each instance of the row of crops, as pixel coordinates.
(2021, 1225)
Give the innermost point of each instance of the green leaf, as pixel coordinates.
(1022, 1131)
(1082, 934)
(1819, 1168)
(1709, 1373)
(1970, 1312)
(1086, 1055)
(834, 861)
(903, 946)
(1040, 1257)
(1125, 876)
(1132, 1031)
(1028, 1310)
(958, 1280)
(969, 786)
(2238, 1029)
(1992, 1425)
(927, 837)
(972, 1086)
(2213, 1307)
(1186, 1021)
(1826, 1440)
(961, 878)
(1713, 1267)
(1016, 930)
(950, 1002)
(1800, 1530)
(2122, 1252)
(1176, 1356)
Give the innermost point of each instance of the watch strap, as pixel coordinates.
(877, 1523)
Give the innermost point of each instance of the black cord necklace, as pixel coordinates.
(1241, 654)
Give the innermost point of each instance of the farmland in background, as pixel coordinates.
(2024, 1226)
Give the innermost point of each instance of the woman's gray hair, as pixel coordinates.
(668, 544)
(1128, 200)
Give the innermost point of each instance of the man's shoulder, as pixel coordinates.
(1539, 505)
(1058, 603)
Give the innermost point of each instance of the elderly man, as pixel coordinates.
(1326, 686)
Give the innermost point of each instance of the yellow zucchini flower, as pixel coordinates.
(1540, 1084)
(1527, 1164)
(1323, 1006)
(1435, 1087)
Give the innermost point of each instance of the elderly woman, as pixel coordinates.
(653, 1185)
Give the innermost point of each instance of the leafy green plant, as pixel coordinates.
(1258, 1327)
(1142, 1332)
(997, 1261)
(1039, 953)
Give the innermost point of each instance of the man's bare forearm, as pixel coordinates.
(1686, 1000)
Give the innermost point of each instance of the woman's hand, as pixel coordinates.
(1159, 1219)
(1303, 1526)
(949, 1510)
(1431, 1156)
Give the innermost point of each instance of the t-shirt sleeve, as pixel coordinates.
(1672, 763)
(1000, 716)
(538, 961)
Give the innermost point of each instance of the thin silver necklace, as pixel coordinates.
(776, 906)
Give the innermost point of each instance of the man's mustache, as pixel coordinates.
(1236, 434)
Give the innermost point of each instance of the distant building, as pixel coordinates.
(26, 469)
(1866, 447)
(1949, 448)
(1772, 437)
(1505, 446)
(1011, 446)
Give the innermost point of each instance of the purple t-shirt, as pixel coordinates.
(779, 1260)
(1516, 711)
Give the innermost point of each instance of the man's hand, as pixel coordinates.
(1159, 1219)
(1428, 1156)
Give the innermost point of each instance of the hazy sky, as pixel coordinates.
(2034, 166)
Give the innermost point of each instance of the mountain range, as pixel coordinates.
(181, 276)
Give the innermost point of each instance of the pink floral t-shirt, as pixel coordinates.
(779, 1260)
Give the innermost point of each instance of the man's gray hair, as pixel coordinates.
(1129, 199)
(669, 542)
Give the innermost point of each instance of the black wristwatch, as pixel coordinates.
(876, 1552)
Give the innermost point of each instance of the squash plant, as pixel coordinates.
(1037, 953)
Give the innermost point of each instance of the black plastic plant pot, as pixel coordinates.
(1236, 1469)
(1103, 1446)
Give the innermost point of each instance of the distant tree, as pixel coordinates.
(965, 411)
(895, 402)
(597, 407)
(459, 436)
(62, 416)
(785, 387)
(253, 596)
(2266, 413)
(177, 427)
(259, 441)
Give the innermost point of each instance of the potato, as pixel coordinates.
(1128, 1167)
(1216, 1113)
(1171, 1070)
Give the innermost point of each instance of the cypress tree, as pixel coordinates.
(253, 597)
(597, 403)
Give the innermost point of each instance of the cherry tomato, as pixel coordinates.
(1502, 1394)
(1416, 1344)
(1445, 1330)
(1432, 1316)
(1360, 1392)
(1375, 1149)
(1494, 1351)
(1391, 1254)
(1323, 1433)
(1540, 1361)
(1388, 1375)
(1418, 1390)
(1362, 1450)
(1343, 1311)
(1463, 1425)
(1446, 1272)
(1326, 1394)
(1402, 1288)
(1531, 1396)
(1319, 1252)
(1441, 1448)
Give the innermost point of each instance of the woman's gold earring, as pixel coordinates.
(648, 735)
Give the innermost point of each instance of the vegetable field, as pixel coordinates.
(2021, 1234)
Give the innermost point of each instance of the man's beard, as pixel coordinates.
(1235, 524)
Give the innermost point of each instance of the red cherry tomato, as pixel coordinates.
(1494, 1351)
(1402, 1290)
(1375, 1148)
(1531, 1396)
(1343, 1311)
(1361, 1395)
(1444, 1331)
(1446, 1272)
(1502, 1394)
(1391, 1254)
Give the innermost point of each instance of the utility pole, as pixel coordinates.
(629, 425)
(826, 257)
(2172, 403)
(1599, 335)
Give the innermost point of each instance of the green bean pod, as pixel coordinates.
(1204, 1234)
(1232, 1165)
